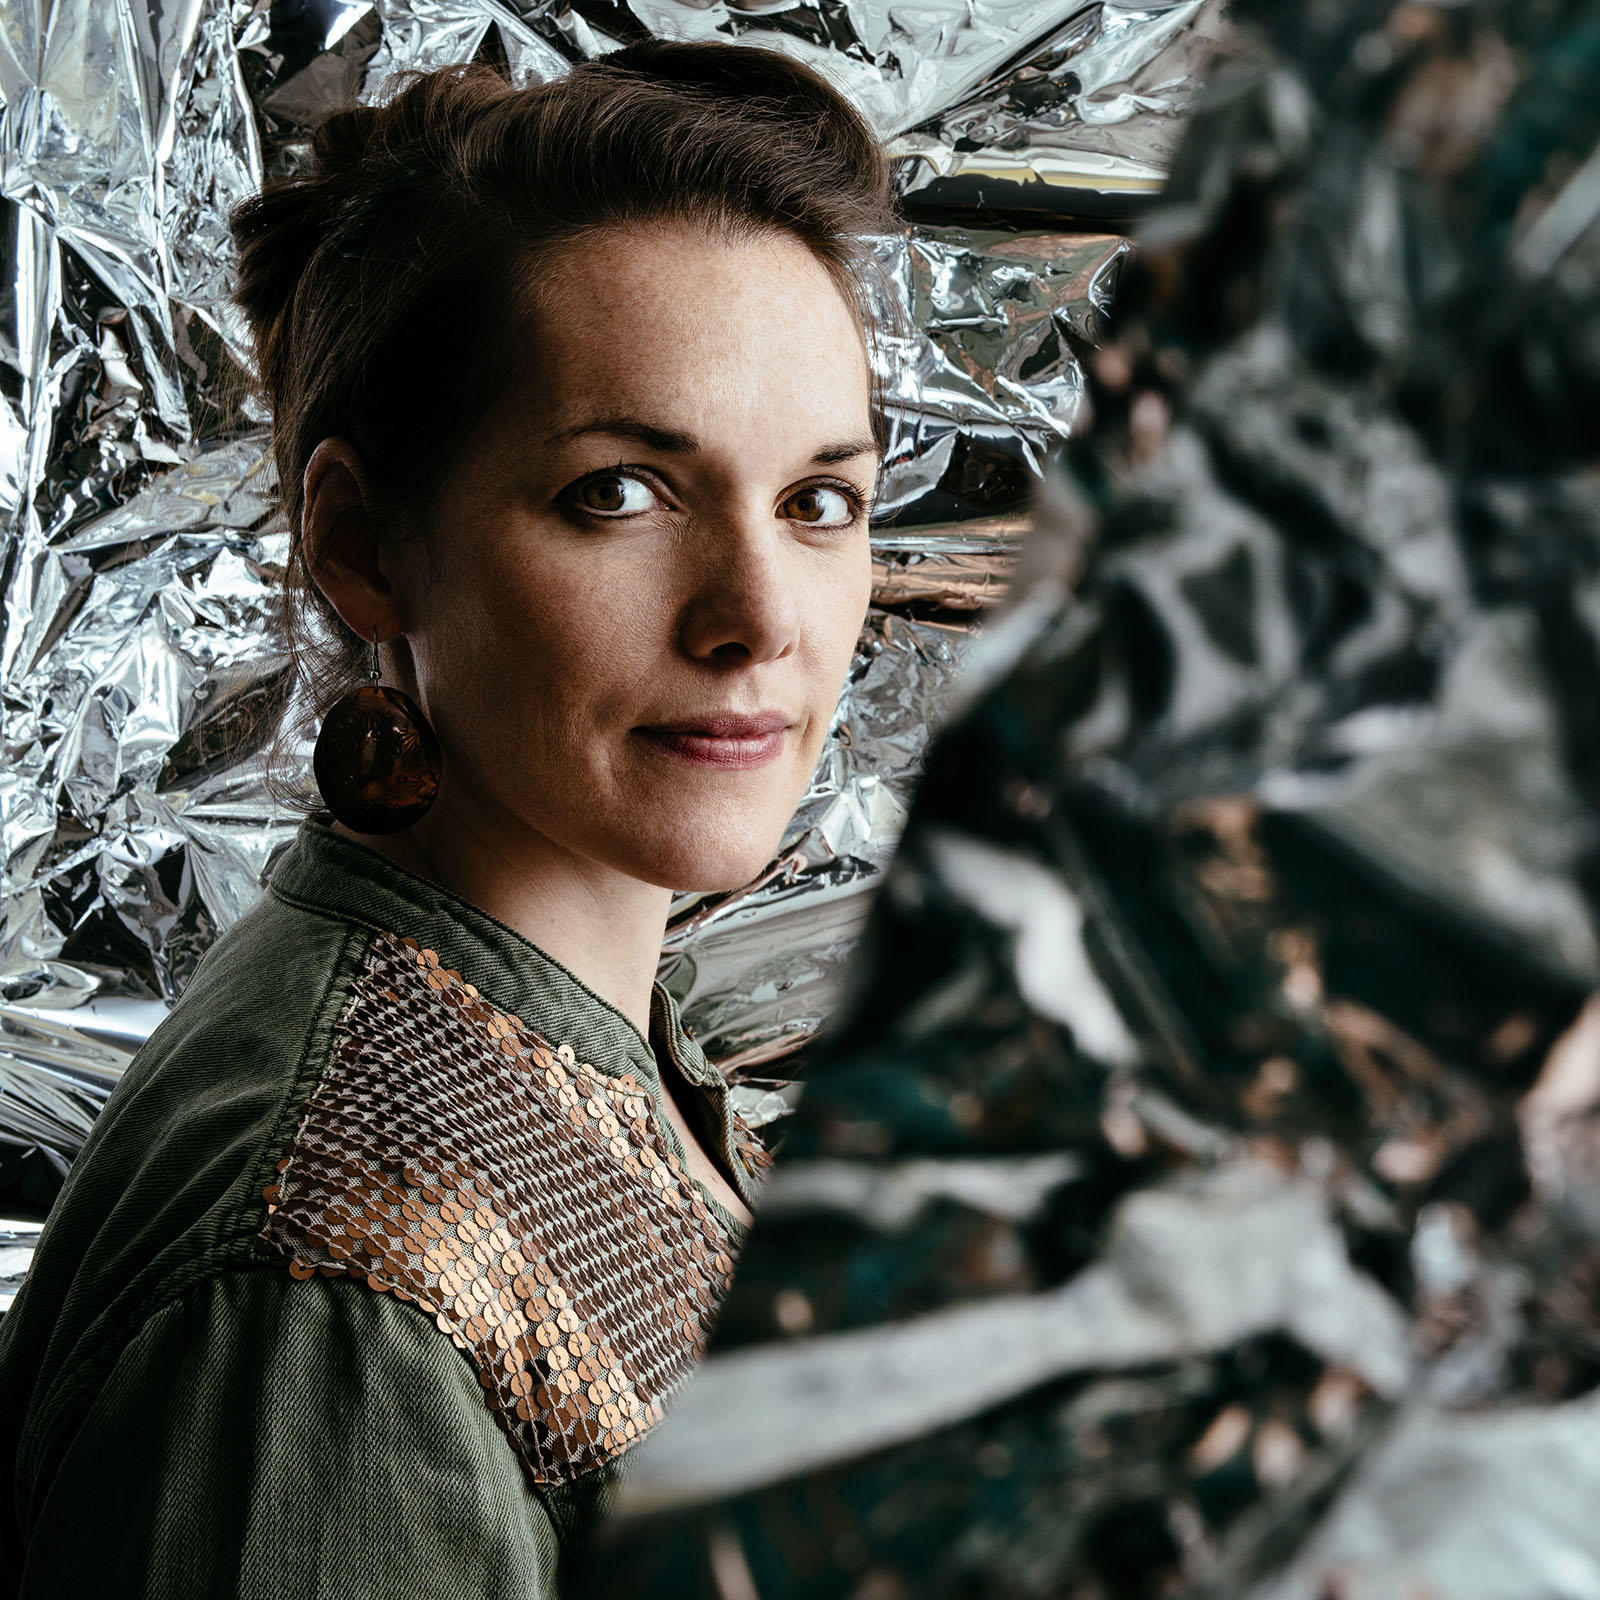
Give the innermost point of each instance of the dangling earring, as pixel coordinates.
(376, 760)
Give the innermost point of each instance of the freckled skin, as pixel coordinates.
(543, 639)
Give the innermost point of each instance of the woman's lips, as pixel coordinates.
(728, 741)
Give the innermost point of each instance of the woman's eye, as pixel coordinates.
(820, 506)
(613, 494)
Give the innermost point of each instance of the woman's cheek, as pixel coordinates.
(846, 612)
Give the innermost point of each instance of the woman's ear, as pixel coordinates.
(339, 537)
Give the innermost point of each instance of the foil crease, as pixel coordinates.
(1198, 1193)
(1093, 112)
(17, 1242)
(142, 556)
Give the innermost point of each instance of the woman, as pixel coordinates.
(400, 1230)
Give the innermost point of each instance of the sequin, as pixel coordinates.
(431, 1165)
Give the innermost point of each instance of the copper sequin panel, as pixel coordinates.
(451, 1157)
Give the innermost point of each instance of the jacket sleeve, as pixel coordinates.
(263, 1436)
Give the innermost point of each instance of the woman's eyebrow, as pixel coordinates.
(672, 441)
(847, 450)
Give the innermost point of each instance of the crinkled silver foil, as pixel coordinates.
(1087, 118)
(142, 555)
(17, 1242)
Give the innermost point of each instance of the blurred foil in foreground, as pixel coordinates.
(140, 655)
(1200, 1191)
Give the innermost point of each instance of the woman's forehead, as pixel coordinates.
(695, 336)
(662, 288)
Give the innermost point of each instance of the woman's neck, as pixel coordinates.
(603, 926)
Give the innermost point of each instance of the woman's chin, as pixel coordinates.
(705, 848)
(708, 870)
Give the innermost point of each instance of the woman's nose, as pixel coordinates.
(743, 604)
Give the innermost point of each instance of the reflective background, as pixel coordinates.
(1200, 1191)
(142, 555)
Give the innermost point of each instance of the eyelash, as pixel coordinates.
(853, 496)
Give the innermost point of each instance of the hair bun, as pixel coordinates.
(344, 139)
(276, 233)
(278, 230)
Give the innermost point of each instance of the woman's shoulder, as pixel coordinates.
(329, 1101)
(524, 1201)
(173, 1159)
(167, 1188)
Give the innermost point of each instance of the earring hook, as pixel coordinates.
(377, 675)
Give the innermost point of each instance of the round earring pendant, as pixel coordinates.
(376, 760)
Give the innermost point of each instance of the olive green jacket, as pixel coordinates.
(375, 1263)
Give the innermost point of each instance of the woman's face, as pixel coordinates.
(651, 562)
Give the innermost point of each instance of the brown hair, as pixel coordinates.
(380, 281)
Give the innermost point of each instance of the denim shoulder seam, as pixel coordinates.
(89, 1367)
